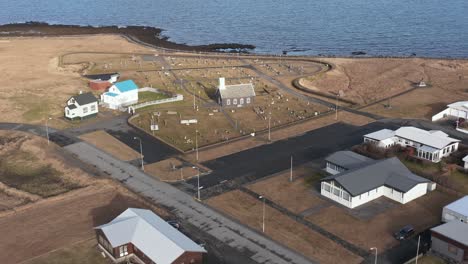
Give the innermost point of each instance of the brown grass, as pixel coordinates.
(295, 196)
(282, 229)
(422, 213)
(111, 145)
(164, 170)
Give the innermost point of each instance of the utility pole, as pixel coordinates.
(263, 214)
(417, 250)
(336, 107)
(291, 172)
(47, 129)
(196, 144)
(269, 127)
(141, 152)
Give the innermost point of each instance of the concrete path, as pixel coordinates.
(252, 244)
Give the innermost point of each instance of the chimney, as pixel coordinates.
(222, 85)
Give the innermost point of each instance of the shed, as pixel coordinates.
(457, 210)
(99, 85)
(450, 241)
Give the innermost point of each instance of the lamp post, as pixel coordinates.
(198, 182)
(47, 129)
(417, 250)
(263, 213)
(269, 127)
(291, 171)
(196, 144)
(141, 152)
(375, 259)
(336, 107)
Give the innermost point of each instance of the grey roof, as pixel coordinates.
(347, 159)
(161, 242)
(102, 77)
(454, 230)
(433, 138)
(459, 206)
(85, 98)
(237, 91)
(381, 134)
(388, 172)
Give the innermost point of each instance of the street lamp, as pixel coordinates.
(374, 248)
(47, 129)
(263, 213)
(269, 127)
(196, 144)
(198, 182)
(141, 152)
(291, 171)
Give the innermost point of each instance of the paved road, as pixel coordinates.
(271, 158)
(251, 245)
(153, 149)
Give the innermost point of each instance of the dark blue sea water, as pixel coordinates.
(429, 28)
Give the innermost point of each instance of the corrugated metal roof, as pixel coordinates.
(126, 86)
(454, 230)
(389, 172)
(347, 159)
(460, 206)
(381, 134)
(237, 91)
(110, 94)
(149, 233)
(430, 138)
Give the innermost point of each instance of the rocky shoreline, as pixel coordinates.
(148, 35)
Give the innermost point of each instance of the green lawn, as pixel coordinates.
(83, 252)
(150, 96)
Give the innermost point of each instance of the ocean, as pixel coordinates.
(425, 28)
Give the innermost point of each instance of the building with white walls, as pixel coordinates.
(357, 180)
(120, 94)
(430, 145)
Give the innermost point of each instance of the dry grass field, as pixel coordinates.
(33, 84)
(422, 213)
(111, 145)
(281, 228)
(171, 170)
(367, 80)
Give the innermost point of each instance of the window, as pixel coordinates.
(85, 110)
(346, 196)
(248, 100)
(123, 250)
(241, 101)
(452, 249)
(228, 102)
(93, 108)
(68, 112)
(234, 101)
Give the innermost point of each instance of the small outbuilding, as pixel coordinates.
(456, 211)
(108, 77)
(84, 105)
(237, 95)
(450, 241)
(98, 85)
(142, 236)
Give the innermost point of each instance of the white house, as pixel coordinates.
(465, 162)
(120, 94)
(372, 179)
(81, 106)
(457, 210)
(430, 145)
(455, 110)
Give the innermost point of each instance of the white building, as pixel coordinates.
(81, 106)
(120, 94)
(455, 110)
(371, 179)
(237, 95)
(465, 162)
(457, 210)
(429, 145)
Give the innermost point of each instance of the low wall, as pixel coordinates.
(176, 98)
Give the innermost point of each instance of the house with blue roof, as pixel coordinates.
(120, 94)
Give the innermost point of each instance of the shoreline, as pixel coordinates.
(144, 34)
(151, 37)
